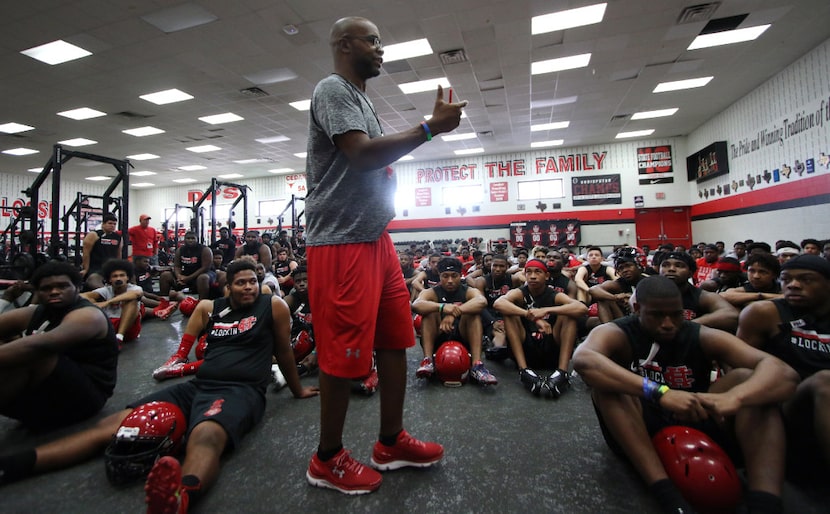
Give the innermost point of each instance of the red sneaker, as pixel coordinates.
(164, 488)
(407, 451)
(369, 385)
(343, 473)
(164, 312)
(173, 371)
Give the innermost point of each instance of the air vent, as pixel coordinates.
(697, 13)
(132, 115)
(253, 92)
(453, 56)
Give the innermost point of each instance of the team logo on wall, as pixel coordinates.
(596, 190)
(550, 233)
(654, 160)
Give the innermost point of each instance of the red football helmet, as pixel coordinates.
(452, 364)
(201, 347)
(150, 431)
(699, 468)
(302, 344)
(188, 305)
(417, 321)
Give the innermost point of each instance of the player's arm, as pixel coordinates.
(265, 256)
(77, 327)
(89, 242)
(15, 321)
(601, 358)
(419, 282)
(607, 291)
(771, 381)
(365, 153)
(474, 303)
(283, 352)
(719, 313)
(511, 304)
(579, 278)
(758, 322)
(426, 303)
(177, 265)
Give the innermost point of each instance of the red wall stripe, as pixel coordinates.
(455, 221)
(813, 186)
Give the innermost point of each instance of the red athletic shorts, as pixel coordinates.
(134, 331)
(360, 302)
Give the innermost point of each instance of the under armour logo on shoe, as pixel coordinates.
(339, 472)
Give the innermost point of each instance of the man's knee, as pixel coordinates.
(208, 434)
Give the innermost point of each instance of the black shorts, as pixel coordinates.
(657, 419)
(192, 284)
(236, 407)
(541, 353)
(65, 397)
(454, 335)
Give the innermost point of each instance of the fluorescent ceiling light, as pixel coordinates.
(56, 52)
(218, 119)
(142, 173)
(301, 155)
(20, 151)
(281, 170)
(192, 167)
(400, 51)
(232, 175)
(142, 184)
(35, 170)
(274, 139)
(727, 37)
(424, 85)
(567, 19)
(184, 180)
(681, 84)
(143, 156)
(251, 161)
(560, 64)
(168, 96)
(429, 116)
(82, 113)
(406, 158)
(469, 151)
(78, 141)
(459, 137)
(203, 148)
(545, 144)
(644, 115)
(98, 178)
(302, 105)
(550, 126)
(635, 133)
(14, 128)
(143, 131)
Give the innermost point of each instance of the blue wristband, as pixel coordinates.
(426, 129)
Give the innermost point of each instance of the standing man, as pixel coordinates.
(144, 240)
(349, 203)
(100, 246)
(226, 245)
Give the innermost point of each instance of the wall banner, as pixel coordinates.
(596, 190)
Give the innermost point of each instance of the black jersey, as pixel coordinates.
(495, 289)
(680, 364)
(458, 297)
(191, 258)
(691, 302)
(803, 342)
(432, 279)
(301, 315)
(97, 358)
(559, 283)
(228, 249)
(240, 343)
(594, 278)
(144, 281)
(282, 268)
(104, 249)
(253, 252)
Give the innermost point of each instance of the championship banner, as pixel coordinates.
(654, 159)
(596, 190)
(549, 233)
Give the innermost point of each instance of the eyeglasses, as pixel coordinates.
(372, 40)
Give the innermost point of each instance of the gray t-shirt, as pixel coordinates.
(343, 205)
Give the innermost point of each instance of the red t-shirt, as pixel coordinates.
(143, 240)
(704, 270)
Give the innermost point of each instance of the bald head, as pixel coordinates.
(356, 49)
(349, 26)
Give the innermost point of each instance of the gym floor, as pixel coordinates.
(506, 451)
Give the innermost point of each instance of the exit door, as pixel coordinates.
(663, 225)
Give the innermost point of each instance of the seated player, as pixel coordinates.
(652, 369)
(493, 286)
(728, 274)
(119, 299)
(612, 296)
(796, 329)
(592, 273)
(451, 311)
(192, 268)
(762, 271)
(268, 279)
(63, 368)
(156, 305)
(223, 402)
(541, 330)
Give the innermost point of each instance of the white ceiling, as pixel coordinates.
(638, 44)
